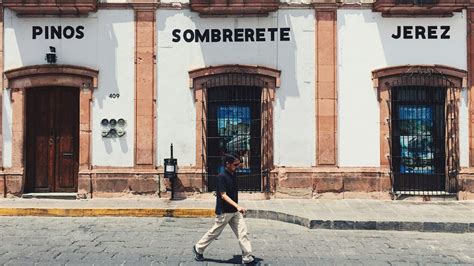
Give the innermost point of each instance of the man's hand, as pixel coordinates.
(241, 209)
(233, 203)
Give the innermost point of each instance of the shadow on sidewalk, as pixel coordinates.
(237, 259)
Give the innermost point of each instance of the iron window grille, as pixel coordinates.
(424, 152)
(235, 119)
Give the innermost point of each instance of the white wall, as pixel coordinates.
(464, 129)
(365, 44)
(7, 133)
(107, 45)
(294, 122)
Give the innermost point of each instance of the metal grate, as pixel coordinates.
(418, 151)
(233, 126)
(424, 151)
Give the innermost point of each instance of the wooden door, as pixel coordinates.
(52, 139)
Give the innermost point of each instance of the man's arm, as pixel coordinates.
(233, 203)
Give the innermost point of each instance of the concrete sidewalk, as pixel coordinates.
(449, 216)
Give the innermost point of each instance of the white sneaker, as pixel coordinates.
(250, 259)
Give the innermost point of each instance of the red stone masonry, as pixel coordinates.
(470, 68)
(2, 175)
(145, 77)
(439, 8)
(326, 92)
(234, 7)
(51, 7)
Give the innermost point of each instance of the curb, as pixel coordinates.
(442, 227)
(58, 212)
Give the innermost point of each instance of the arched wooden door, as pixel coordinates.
(52, 139)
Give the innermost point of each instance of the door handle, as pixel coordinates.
(68, 154)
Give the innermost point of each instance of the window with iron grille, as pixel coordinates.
(234, 126)
(419, 127)
(418, 138)
(235, 114)
(424, 139)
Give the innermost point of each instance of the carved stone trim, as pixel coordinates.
(51, 7)
(51, 75)
(385, 77)
(443, 8)
(269, 77)
(25, 78)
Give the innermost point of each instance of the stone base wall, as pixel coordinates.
(285, 182)
(2, 186)
(113, 183)
(13, 185)
(466, 184)
(330, 183)
(118, 184)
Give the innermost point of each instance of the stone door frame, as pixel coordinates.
(18, 81)
(269, 76)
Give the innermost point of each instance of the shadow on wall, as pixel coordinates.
(400, 41)
(277, 54)
(109, 147)
(109, 54)
(90, 42)
(281, 55)
(93, 45)
(295, 58)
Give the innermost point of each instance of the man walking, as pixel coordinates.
(228, 211)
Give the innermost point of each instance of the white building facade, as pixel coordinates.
(317, 99)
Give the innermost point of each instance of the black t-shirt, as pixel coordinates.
(226, 182)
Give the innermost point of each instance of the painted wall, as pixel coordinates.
(365, 43)
(7, 129)
(294, 115)
(108, 46)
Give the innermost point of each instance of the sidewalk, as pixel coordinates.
(450, 216)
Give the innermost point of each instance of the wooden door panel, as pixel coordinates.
(39, 140)
(67, 132)
(65, 166)
(41, 172)
(52, 139)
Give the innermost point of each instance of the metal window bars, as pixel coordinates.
(236, 118)
(423, 124)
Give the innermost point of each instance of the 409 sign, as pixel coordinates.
(114, 95)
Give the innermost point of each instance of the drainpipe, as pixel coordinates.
(90, 184)
(4, 184)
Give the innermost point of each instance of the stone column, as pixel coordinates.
(326, 92)
(470, 66)
(145, 86)
(2, 175)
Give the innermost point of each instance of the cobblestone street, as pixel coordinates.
(168, 241)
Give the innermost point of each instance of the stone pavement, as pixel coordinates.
(356, 214)
(168, 241)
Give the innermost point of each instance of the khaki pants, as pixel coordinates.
(237, 223)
